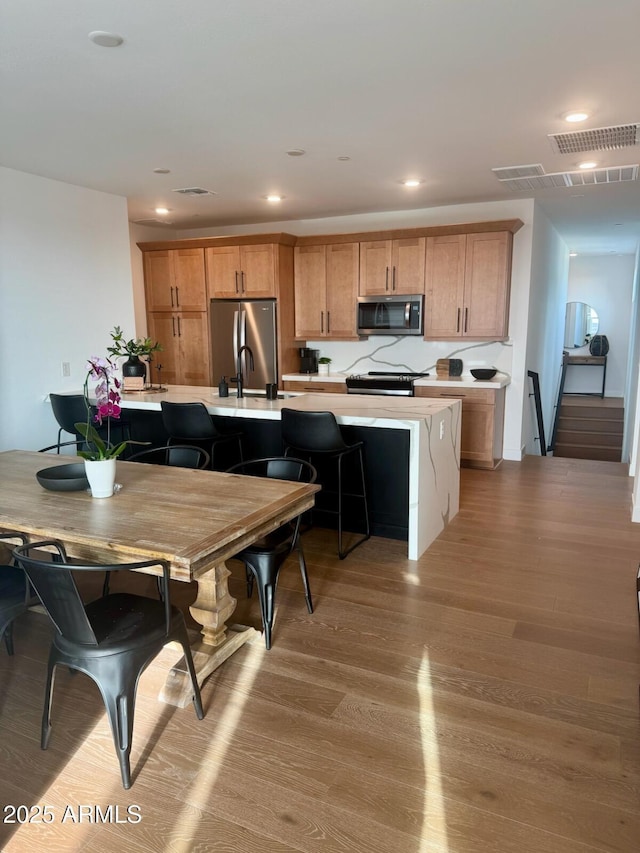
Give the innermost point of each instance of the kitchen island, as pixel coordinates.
(412, 447)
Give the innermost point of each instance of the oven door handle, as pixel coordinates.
(407, 314)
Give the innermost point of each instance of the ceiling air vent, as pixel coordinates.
(506, 173)
(611, 175)
(598, 139)
(193, 191)
(152, 222)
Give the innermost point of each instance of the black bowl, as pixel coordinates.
(483, 372)
(63, 478)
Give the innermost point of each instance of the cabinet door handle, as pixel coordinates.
(237, 290)
(386, 278)
(322, 322)
(328, 321)
(243, 288)
(173, 326)
(458, 323)
(393, 279)
(466, 317)
(172, 297)
(177, 299)
(179, 330)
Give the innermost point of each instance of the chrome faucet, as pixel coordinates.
(238, 378)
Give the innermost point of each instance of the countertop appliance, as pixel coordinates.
(308, 360)
(391, 315)
(380, 382)
(244, 323)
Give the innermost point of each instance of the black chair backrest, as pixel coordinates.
(187, 420)
(311, 431)
(176, 455)
(277, 468)
(68, 410)
(57, 590)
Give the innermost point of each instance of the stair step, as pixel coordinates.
(592, 412)
(590, 439)
(591, 425)
(577, 451)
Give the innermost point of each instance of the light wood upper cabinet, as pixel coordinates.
(185, 347)
(175, 280)
(238, 272)
(467, 285)
(392, 266)
(326, 289)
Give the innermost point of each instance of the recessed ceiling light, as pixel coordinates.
(296, 152)
(589, 164)
(105, 39)
(274, 198)
(411, 183)
(162, 171)
(162, 210)
(344, 158)
(576, 115)
(572, 254)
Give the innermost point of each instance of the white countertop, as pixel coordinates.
(500, 380)
(354, 409)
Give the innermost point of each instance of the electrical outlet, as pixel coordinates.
(441, 430)
(66, 368)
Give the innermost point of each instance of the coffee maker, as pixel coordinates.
(308, 360)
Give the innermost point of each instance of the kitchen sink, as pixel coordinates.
(281, 395)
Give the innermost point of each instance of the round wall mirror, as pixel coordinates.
(580, 325)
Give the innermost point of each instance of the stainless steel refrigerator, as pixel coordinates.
(251, 323)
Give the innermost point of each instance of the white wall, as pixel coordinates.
(509, 356)
(65, 282)
(606, 283)
(549, 272)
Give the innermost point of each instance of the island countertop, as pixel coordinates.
(351, 409)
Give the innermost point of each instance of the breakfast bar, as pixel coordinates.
(412, 445)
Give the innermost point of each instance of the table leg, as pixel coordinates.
(211, 609)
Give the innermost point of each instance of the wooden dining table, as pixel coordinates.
(195, 520)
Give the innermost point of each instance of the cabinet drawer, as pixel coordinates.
(316, 387)
(467, 395)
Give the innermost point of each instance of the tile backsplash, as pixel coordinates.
(404, 353)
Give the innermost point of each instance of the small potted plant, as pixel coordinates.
(132, 349)
(323, 365)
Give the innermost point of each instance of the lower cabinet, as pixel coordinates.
(336, 387)
(184, 337)
(482, 422)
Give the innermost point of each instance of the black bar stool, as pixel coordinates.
(190, 423)
(317, 434)
(70, 409)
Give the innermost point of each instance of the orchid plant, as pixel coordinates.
(102, 371)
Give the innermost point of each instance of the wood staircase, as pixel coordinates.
(590, 428)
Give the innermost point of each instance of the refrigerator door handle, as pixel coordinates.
(236, 345)
(243, 339)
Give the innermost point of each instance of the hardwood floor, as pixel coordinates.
(481, 700)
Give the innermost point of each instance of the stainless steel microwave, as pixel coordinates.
(391, 315)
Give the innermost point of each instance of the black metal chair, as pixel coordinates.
(312, 435)
(264, 558)
(191, 423)
(112, 640)
(70, 409)
(16, 593)
(178, 455)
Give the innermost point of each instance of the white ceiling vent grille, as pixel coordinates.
(152, 222)
(598, 139)
(193, 191)
(611, 175)
(506, 173)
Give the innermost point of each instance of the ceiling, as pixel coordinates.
(217, 92)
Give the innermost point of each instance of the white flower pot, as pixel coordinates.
(323, 370)
(101, 474)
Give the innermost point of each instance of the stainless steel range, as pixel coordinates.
(380, 382)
